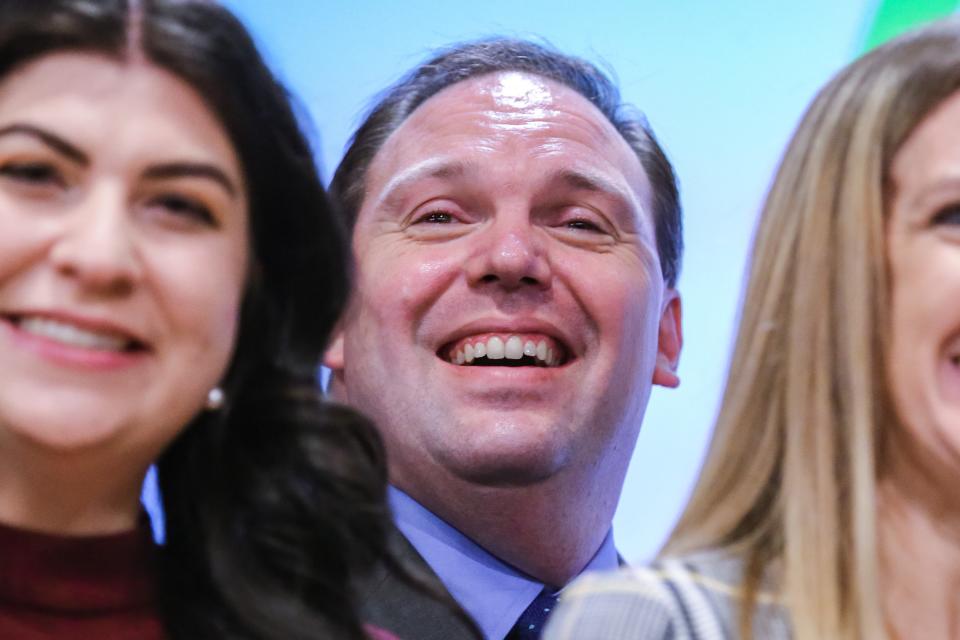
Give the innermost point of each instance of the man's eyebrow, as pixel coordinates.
(52, 140)
(432, 168)
(191, 170)
(597, 182)
(588, 181)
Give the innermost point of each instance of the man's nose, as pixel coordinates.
(511, 255)
(95, 246)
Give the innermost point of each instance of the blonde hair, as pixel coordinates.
(789, 480)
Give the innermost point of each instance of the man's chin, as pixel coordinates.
(506, 477)
(504, 468)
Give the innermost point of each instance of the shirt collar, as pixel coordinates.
(491, 591)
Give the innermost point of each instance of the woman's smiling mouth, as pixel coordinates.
(75, 341)
(74, 336)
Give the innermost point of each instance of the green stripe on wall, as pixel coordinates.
(893, 17)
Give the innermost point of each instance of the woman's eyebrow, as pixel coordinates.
(192, 170)
(51, 140)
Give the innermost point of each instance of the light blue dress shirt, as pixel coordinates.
(491, 591)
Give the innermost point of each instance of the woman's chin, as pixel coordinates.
(66, 428)
(55, 432)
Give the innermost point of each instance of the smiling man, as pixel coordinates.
(516, 232)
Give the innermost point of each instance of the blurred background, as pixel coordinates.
(722, 83)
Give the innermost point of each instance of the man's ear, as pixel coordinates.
(333, 356)
(333, 359)
(670, 341)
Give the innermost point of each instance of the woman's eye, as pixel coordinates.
(32, 173)
(185, 207)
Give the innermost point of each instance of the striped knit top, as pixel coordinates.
(693, 597)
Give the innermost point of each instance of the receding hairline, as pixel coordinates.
(566, 87)
(444, 166)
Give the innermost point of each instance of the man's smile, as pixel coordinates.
(506, 350)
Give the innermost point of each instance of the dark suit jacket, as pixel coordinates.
(389, 602)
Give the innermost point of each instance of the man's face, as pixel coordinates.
(509, 314)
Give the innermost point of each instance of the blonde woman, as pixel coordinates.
(828, 504)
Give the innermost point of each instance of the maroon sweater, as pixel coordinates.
(81, 588)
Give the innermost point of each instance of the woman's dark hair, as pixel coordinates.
(466, 60)
(274, 501)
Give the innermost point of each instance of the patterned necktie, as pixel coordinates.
(529, 625)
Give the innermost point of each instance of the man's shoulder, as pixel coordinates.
(695, 597)
(416, 607)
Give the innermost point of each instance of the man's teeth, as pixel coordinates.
(495, 349)
(542, 350)
(514, 348)
(72, 335)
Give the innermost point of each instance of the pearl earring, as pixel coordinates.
(215, 399)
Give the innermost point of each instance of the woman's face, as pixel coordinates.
(123, 254)
(924, 255)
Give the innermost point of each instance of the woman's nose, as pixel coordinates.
(95, 247)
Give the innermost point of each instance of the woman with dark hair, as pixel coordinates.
(169, 273)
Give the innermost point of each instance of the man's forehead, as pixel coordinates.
(477, 112)
(506, 97)
(515, 90)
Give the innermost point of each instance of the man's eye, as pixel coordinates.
(435, 217)
(185, 207)
(949, 215)
(583, 225)
(32, 173)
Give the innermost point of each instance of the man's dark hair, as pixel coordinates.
(472, 59)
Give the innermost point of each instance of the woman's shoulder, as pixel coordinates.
(693, 597)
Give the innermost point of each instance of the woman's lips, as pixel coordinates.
(74, 343)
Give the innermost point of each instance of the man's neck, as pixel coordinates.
(543, 530)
